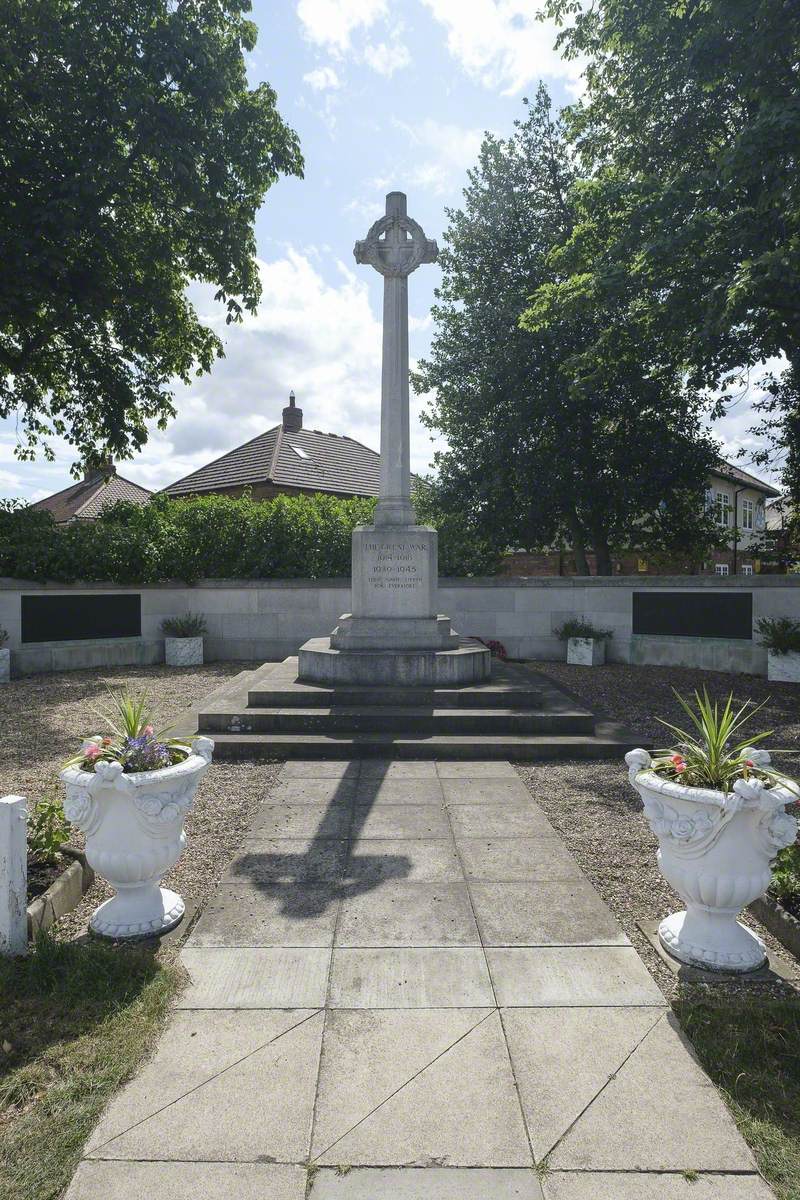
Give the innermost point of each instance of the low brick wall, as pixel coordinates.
(259, 620)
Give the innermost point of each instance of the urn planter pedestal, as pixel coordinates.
(715, 850)
(783, 668)
(586, 652)
(183, 651)
(134, 834)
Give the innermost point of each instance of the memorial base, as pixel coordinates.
(394, 633)
(468, 662)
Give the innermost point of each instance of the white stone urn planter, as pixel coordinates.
(715, 850)
(183, 651)
(586, 652)
(783, 668)
(134, 834)
(5, 664)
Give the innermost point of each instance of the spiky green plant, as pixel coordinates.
(133, 740)
(712, 755)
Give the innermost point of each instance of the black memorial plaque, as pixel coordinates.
(74, 617)
(694, 614)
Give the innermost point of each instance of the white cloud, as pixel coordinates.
(322, 79)
(387, 57)
(501, 44)
(330, 23)
(442, 154)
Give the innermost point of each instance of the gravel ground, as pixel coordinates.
(600, 817)
(42, 719)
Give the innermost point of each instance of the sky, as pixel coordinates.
(385, 95)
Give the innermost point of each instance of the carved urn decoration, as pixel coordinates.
(134, 834)
(715, 849)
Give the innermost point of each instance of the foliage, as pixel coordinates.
(497, 649)
(786, 874)
(215, 537)
(77, 1019)
(708, 756)
(539, 452)
(189, 625)
(576, 627)
(781, 635)
(688, 217)
(48, 829)
(133, 160)
(464, 551)
(751, 1051)
(134, 743)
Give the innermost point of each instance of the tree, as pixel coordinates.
(133, 159)
(688, 218)
(539, 451)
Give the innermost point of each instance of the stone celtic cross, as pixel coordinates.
(395, 246)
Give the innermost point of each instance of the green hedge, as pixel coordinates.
(210, 537)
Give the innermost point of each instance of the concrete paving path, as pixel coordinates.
(405, 989)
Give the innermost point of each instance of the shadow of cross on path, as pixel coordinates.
(311, 871)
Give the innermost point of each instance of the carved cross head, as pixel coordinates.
(396, 245)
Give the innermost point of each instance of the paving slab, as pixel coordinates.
(214, 1121)
(408, 914)
(410, 978)
(509, 859)
(273, 860)
(369, 1055)
(431, 1183)
(563, 1058)
(321, 769)
(327, 790)
(406, 821)
(569, 976)
(300, 821)
(254, 913)
(195, 1047)
(483, 789)
(97, 1180)
(371, 791)
(611, 1185)
(433, 860)
(544, 914)
(476, 769)
(516, 819)
(372, 768)
(460, 1110)
(255, 978)
(695, 1130)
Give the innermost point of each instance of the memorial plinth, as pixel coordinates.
(394, 632)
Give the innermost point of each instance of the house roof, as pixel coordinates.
(734, 474)
(85, 500)
(301, 458)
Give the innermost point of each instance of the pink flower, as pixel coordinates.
(680, 766)
(148, 731)
(91, 752)
(748, 762)
(677, 758)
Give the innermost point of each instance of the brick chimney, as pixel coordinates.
(292, 417)
(93, 470)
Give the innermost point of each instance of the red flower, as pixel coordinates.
(680, 766)
(677, 759)
(748, 762)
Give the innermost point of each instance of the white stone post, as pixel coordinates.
(13, 876)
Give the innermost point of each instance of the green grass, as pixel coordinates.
(752, 1053)
(75, 1022)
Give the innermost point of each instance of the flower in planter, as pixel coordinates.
(134, 743)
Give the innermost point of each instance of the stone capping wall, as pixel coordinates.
(259, 620)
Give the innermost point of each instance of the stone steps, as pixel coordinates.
(417, 720)
(377, 745)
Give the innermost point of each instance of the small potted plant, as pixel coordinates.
(718, 810)
(129, 792)
(5, 657)
(586, 646)
(781, 636)
(183, 640)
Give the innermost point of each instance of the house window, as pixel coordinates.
(721, 569)
(748, 514)
(747, 569)
(722, 505)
